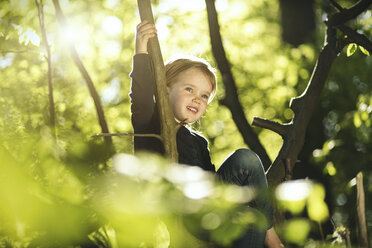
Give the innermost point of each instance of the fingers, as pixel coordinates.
(141, 24)
(145, 31)
(145, 28)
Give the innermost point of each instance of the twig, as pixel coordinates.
(127, 134)
(348, 241)
(336, 5)
(21, 51)
(93, 92)
(50, 69)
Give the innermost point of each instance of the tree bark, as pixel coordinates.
(231, 100)
(167, 121)
(93, 92)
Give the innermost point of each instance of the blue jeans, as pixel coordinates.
(244, 168)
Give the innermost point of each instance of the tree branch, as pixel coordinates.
(336, 5)
(21, 51)
(274, 126)
(167, 121)
(231, 100)
(75, 57)
(304, 105)
(355, 37)
(348, 14)
(128, 134)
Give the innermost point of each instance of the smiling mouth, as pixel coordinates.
(192, 109)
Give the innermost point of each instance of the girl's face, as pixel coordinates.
(189, 95)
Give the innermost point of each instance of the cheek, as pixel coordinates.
(204, 107)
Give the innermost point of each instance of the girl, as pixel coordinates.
(191, 84)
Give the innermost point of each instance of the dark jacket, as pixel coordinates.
(192, 147)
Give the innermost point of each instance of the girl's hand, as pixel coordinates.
(144, 32)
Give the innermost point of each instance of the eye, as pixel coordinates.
(188, 89)
(206, 97)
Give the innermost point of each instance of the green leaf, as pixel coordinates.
(351, 49)
(297, 230)
(357, 121)
(365, 51)
(316, 207)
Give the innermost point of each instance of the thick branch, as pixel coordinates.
(49, 60)
(168, 124)
(75, 56)
(231, 100)
(348, 14)
(303, 107)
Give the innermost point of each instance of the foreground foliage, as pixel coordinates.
(80, 195)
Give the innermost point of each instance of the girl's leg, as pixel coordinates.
(243, 167)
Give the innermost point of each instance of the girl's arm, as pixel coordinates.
(142, 87)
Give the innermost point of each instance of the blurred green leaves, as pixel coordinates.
(296, 194)
(297, 230)
(133, 201)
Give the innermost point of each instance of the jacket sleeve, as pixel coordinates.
(207, 163)
(142, 93)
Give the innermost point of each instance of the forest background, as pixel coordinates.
(64, 170)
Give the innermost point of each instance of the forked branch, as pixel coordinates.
(304, 105)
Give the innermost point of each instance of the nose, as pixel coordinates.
(196, 99)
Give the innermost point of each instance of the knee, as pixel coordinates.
(248, 159)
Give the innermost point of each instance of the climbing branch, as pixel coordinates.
(167, 121)
(231, 100)
(40, 9)
(75, 57)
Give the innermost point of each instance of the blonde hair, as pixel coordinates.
(175, 66)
